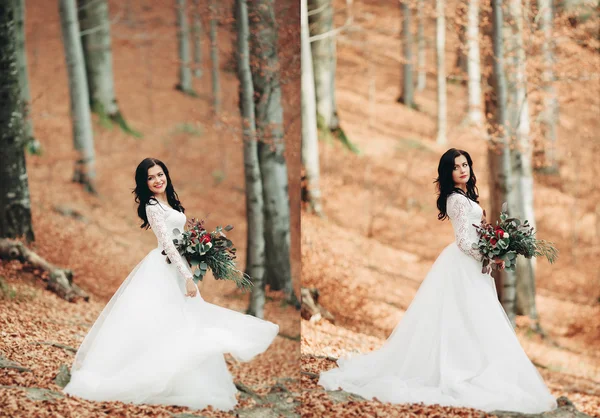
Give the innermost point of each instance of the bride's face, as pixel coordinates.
(461, 172)
(157, 181)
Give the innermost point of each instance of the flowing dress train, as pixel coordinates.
(151, 344)
(455, 345)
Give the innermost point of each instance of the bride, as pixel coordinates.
(455, 345)
(157, 341)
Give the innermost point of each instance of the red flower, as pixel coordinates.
(493, 241)
(499, 232)
(206, 238)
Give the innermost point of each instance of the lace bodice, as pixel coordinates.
(463, 213)
(163, 220)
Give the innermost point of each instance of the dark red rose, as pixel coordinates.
(493, 241)
(205, 239)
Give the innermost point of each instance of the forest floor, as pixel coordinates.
(380, 234)
(99, 238)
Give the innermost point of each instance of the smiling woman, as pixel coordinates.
(454, 346)
(157, 340)
(156, 335)
(156, 181)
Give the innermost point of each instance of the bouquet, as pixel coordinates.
(209, 250)
(507, 239)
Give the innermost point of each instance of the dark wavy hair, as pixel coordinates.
(143, 195)
(445, 183)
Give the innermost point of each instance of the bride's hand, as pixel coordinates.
(190, 288)
(500, 263)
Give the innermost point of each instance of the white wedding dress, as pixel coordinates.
(455, 345)
(151, 344)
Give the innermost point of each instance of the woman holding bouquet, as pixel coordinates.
(455, 345)
(157, 341)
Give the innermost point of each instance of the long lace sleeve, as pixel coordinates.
(457, 207)
(157, 223)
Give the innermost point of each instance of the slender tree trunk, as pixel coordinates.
(94, 22)
(440, 58)
(255, 250)
(461, 28)
(197, 39)
(550, 103)
(271, 146)
(95, 41)
(407, 95)
(499, 153)
(129, 13)
(422, 73)
(324, 61)
(521, 154)
(15, 204)
(473, 64)
(185, 72)
(83, 139)
(310, 140)
(23, 74)
(214, 58)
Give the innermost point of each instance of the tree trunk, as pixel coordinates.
(324, 61)
(15, 204)
(94, 23)
(95, 41)
(473, 64)
(310, 140)
(422, 73)
(499, 153)
(271, 146)
(83, 139)
(407, 95)
(214, 58)
(440, 58)
(185, 72)
(462, 30)
(23, 74)
(197, 39)
(255, 251)
(129, 13)
(550, 103)
(521, 154)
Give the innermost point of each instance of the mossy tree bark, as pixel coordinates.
(94, 22)
(255, 248)
(83, 137)
(271, 144)
(15, 204)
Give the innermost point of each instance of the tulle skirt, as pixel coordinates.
(454, 346)
(153, 345)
